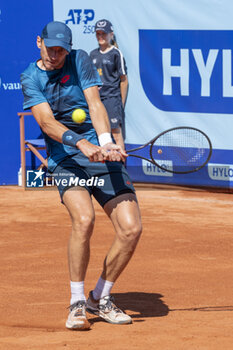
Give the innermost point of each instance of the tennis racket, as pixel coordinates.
(179, 150)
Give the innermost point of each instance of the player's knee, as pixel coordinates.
(83, 225)
(131, 232)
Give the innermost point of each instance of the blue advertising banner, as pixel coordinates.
(217, 173)
(193, 69)
(20, 23)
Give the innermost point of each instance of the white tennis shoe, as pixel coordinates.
(106, 309)
(77, 317)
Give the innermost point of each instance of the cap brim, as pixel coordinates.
(104, 31)
(56, 42)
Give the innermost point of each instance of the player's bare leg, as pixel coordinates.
(118, 137)
(80, 208)
(125, 215)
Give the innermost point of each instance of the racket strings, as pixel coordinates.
(186, 148)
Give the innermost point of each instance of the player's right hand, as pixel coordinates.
(115, 153)
(92, 152)
(110, 152)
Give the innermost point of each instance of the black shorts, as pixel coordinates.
(115, 111)
(102, 180)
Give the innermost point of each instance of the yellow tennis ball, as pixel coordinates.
(160, 151)
(79, 115)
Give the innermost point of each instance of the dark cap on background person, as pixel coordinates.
(57, 34)
(104, 25)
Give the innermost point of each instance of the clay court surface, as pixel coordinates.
(178, 287)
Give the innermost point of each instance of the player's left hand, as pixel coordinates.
(114, 153)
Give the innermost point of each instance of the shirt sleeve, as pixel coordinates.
(31, 91)
(121, 64)
(86, 70)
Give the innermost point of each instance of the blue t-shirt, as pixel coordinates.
(111, 66)
(63, 90)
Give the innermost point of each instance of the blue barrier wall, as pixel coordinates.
(20, 23)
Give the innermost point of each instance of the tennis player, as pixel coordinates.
(112, 69)
(59, 82)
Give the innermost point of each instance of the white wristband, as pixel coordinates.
(105, 138)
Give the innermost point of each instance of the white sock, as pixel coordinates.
(102, 289)
(77, 292)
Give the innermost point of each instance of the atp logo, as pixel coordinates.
(78, 16)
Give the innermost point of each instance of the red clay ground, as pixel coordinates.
(178, 287)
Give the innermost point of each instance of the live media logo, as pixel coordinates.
(35, 178)
(39, 179)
